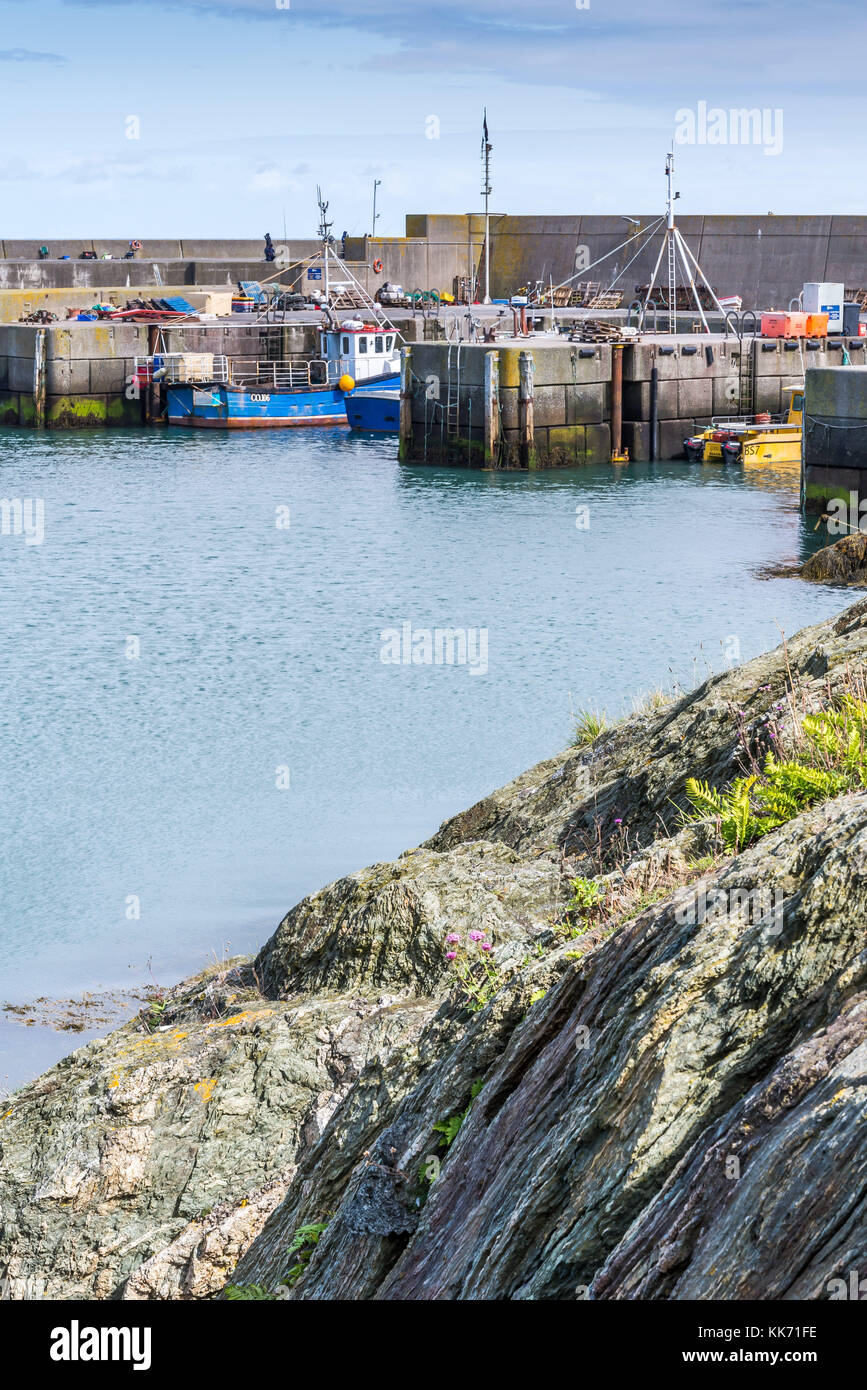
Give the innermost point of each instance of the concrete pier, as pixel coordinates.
(554, 397)
(80, 375)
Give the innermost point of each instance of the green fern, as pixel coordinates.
(304, 1242)
(732, 808)
(751, 806)
(248, 1293)
(449, 1128)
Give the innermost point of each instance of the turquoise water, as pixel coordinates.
(152, 783)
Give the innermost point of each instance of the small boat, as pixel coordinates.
(374, 410)
(752, 440)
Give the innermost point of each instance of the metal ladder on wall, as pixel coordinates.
(453, 389)
(672, 285)
(747, 377)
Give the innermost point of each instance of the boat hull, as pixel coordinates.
(220, 407)
(376, 411)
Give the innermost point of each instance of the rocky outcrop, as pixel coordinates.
(660, 1100)
(844, 562)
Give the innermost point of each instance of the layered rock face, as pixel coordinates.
(664, 1100)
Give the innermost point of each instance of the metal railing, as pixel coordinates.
(250, 373)
(182, 368)
(287, 375)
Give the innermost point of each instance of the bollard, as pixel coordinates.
(618, 454)
(39, 383)
(526, 426)
(492, 408)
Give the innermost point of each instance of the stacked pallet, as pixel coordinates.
(683, 297)
(586, 294)
(609, 299)
(598, 331)
(348, 298)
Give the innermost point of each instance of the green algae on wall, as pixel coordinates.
(84, 412)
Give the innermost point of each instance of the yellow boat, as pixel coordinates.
(752, 440)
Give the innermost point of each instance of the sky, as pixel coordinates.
(207, 118)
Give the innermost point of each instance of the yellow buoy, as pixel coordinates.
(346, 382)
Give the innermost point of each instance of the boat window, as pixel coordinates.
(379, 342)
(798, 402)
(388, 342)
(362, 344)
(345, 347)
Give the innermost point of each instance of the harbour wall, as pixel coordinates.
(543, 403)
(764, 259)
(835, 440)
(80, 375)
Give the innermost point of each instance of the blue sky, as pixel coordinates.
(243, 106)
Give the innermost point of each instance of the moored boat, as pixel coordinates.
(374, 409)
(211, 392)
(752, 440)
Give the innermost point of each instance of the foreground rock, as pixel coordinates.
(668, 1104)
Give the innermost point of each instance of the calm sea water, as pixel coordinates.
(172, 658)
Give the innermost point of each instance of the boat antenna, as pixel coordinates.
(486, 193)
(326, 239)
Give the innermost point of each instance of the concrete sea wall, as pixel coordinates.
(764, 259)
(473, 407)
(89, 366)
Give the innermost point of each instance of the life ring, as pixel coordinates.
(377, 267)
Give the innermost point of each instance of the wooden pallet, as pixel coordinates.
(348, 299)
(597, 331)
(683, 299)
(609, 299)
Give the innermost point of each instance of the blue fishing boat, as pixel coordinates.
(374, 409)
(209, 391)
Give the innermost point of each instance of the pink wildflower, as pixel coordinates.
(450, 955)
(476, 935)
